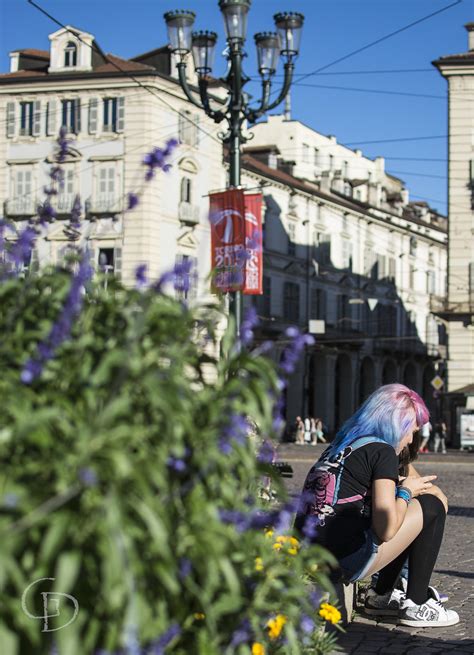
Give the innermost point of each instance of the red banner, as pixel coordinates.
(226, 215)
(253, 283)
(236, 242)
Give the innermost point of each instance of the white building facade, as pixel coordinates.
(115, 111)
(342, 243)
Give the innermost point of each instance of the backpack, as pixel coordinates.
(321, 488)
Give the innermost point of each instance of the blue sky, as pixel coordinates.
(356, 112)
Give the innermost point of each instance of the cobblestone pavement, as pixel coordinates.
(453, 574)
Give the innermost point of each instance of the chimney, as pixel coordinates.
(325, 183)
(470, 35)
(288, 106)
(338, 182)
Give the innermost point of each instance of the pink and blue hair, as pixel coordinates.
(387, 414)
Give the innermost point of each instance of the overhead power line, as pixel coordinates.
(379, 40)
(392, 93)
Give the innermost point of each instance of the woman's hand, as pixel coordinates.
(418, 485)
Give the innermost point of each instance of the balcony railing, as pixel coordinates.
(63, 203)
(188, 213)
(20, 207)
(107, 204)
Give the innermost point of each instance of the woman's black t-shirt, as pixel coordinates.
(343, 510)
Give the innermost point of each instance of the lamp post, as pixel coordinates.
(285, 42)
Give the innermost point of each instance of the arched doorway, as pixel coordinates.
(367, 379)
(389, 372)
(409, 376)
(343, 385)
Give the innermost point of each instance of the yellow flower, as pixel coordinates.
(199, 616)
(258, 564)
(258, 649)
(269, 534)
(275, 626)
(329, 613)
(292, 544)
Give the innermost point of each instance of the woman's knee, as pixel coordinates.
(432, 507)
(436, 491)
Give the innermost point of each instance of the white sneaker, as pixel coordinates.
(383, 604)
(430, 614)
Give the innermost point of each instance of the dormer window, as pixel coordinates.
(70, 55)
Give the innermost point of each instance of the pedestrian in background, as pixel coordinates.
(425, 437)
(307, 430)
(299, 432)
(317, 431)
(440, 433)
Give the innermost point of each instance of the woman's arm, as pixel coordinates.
(436, 491)
(388, 512)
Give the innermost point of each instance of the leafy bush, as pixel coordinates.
(129, 475)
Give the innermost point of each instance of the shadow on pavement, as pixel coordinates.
(367, 637)
(457, 574)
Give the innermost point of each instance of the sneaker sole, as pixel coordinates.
(374, 611)
(428, 624)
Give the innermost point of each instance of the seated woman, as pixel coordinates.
(366, 518)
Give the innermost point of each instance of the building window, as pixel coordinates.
(263, 302)
(189, 128)
(392, 268)
(331, 162)
(347, 254)
(70, 55)
(110, 115)
(22, 201)
(316, 157)
(291, 301)
(322, 248)
(411, 276)
(71, 115)
(430, 282)
(106, 188)
(186, 190)
(345, 169)
(305, 153)
(413, 245)
(109, 261)
(343, 312)
(186, 277)
(66, 195)
(318, 304)
(26, 118)
(291, 246)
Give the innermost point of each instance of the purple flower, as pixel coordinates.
(62, 327)
(253, 242)
(132, 200)
(141, 276)
(242, 635)
(254, 520)
(76, 212)
(234, 431)
(88, 477)
(46, 213)
(310, 528)
(63, 145)
(158, 647)
(292, 352)
(176, 464)
(185, 568)
(307, 624)
(315, 597)
(20, 252)
(266, 454)
(249, 322)
(157, 159)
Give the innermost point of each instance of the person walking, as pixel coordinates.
(354, 505)
(440, 433)
(317, 431)
(299, 432)
(425, 436)
(307, 430)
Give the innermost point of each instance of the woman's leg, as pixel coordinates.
(409, 530)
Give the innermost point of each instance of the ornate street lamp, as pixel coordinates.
(285, 42)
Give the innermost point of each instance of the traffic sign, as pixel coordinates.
(437, 382)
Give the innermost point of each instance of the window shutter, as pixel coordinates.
(51, 112)
(118, 262)
(93, 115)
(77, 112)
(120, 114)
(36, 118)
(11, 115)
